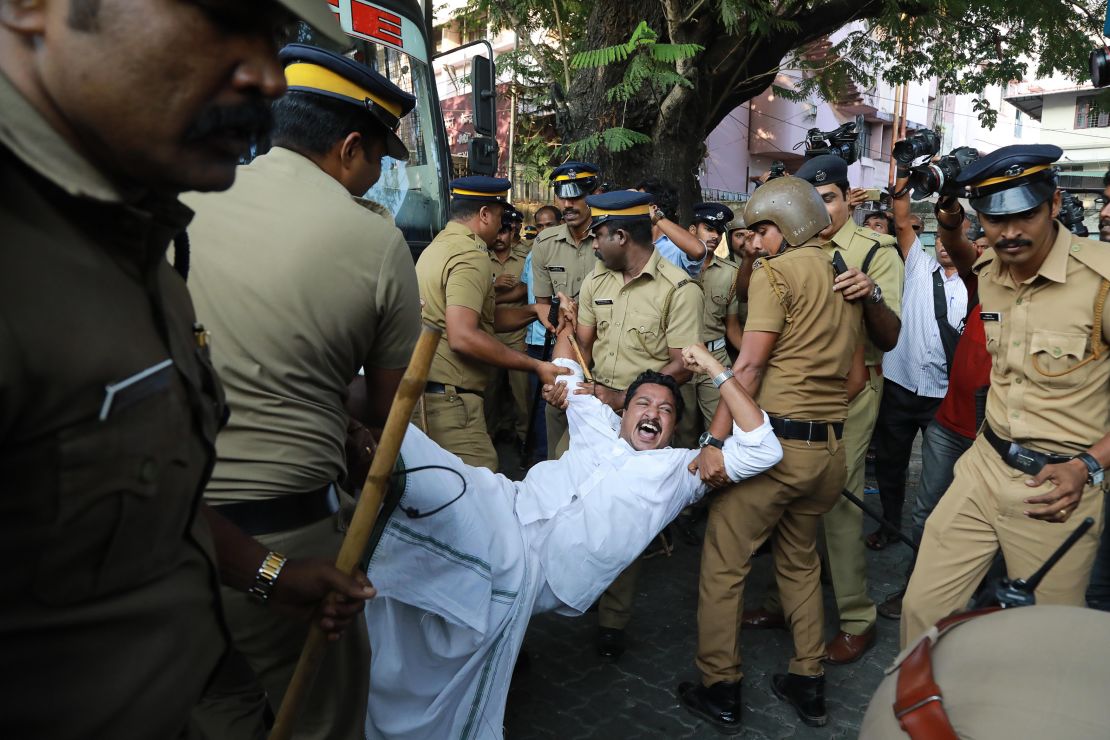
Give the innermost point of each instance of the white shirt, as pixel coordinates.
(917, 362)
(456, 589)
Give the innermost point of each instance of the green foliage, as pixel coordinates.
(615, 140)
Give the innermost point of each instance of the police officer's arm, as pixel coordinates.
(685, 324)
(734, 330)
(857, 374)
(903, 224)
(1068, 480)
(306, 588)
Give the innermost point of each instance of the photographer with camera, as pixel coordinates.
(874, 279)
(934, 306)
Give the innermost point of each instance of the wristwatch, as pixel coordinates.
(1095, 474)
(876, 295)
(266, 577)
(720, 379)
(707, 439)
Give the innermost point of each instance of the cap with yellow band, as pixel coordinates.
(619, 205)
(575, 179)
(316, 71)
(482, 188)
(1013, 179)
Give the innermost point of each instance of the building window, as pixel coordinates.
(1089, 115)
(865, 141)
(1017, 125)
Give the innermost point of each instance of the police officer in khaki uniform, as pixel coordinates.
(1038, 462)
(721, 318)
(108, 406)
(636, 312)
(302, 285)
(562, 257)
(457, 295)
(874, 280)
(507, 397)
(802, 359)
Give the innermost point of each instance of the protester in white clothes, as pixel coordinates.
(456, 588)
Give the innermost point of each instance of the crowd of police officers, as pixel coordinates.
(177, 479)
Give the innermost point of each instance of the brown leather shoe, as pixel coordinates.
(845, 648)
(761, 619)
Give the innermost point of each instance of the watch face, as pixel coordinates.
(703, 439)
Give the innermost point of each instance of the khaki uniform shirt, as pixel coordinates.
(718, 283)
(1045, 390)
(886, 268)
(454, 270)
(791, 294)
(558, 266)
(300, 286)
(640, 321)
(513, 265)
(110, 621)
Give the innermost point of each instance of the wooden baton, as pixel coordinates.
(410, 390)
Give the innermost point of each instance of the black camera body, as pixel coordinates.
(932, 177)
(1071, 214)
(778, 169)
(842, 141)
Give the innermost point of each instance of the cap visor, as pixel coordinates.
(317, 14)
(396, 148)
(1018, 199)
(569, 189)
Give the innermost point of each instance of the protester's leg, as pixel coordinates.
(797, 567)
(941, 448)
(741, 517)
(614, 610)
(457, 423)
(895, 431)
(843, 524)
(957, 547)
(1098, 591)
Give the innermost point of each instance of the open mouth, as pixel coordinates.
(648, 431)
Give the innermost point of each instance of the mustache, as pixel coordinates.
(1008, 243)
(1103, 223)
(253, 118)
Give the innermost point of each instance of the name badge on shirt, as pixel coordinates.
(603, 302)
(990, 316)
(556, 268)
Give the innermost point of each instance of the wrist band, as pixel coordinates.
(266, 577)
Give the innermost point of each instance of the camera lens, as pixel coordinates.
(1100, 67)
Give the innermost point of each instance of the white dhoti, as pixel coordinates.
(456, 589)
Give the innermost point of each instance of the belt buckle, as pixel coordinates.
(1025, 460)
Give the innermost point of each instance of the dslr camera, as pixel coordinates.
(778, 169)
(1071, 214)
(931, 177)
(842, 141)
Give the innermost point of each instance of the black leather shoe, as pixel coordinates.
(610, 643)
(805, 693)
(718, 704)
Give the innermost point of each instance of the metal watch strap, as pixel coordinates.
(1095, 473)
(267, 576)
(721, 378)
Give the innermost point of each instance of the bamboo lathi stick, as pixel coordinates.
(410, 390)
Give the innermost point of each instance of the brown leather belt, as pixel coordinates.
(918, 701)
(281, 513)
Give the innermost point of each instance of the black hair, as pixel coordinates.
(883, 215)
(653, 378)
(639, 229)
(554, 211)
(666, 197)
(465, 208)
(843, 189)
(313, 124)
(1106, 179)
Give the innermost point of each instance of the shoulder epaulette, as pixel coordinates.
(1094, 255)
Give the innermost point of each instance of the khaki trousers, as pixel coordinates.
(335, 708)
(843, 524)
(516, 407)
(982, 511)
(787, 500)
(557, 438)
(457, 423)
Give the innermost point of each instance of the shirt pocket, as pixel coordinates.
(993, 332)
(125, 495)
(646, 331)
(559, 281)
(1056, 359)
